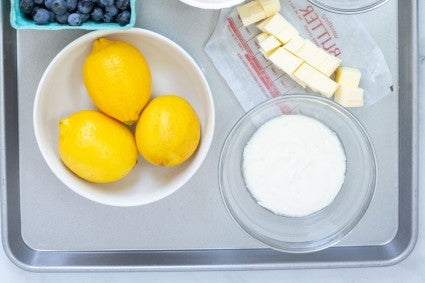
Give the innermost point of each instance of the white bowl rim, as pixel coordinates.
(210, 5)
(202, 149)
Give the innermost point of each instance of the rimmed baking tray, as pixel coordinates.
(46, 227)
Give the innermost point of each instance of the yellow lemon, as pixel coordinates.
(168, 131)
(96, 147)
(118, 79)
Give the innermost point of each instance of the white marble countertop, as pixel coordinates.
(410, 270)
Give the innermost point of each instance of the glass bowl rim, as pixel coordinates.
(333, 238)
(348, 11)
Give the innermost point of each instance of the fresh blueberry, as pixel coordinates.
(84, 17)
(59, 7)
(85, 6)
(62, 19)
(41, 16)
(107, 18)
(74, 19)
(39, 2)
(52, 16)
(122, 4)
(123, 18)
(71, 5)
(111, 10)
(104, 3)
(48, 3)
(97, 14)
(26, 6)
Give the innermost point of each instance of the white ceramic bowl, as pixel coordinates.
(212, 4)
(61, 92)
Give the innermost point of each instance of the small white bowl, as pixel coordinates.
(212, 4)
(61, 92)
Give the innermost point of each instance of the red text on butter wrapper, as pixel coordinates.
(318, 30)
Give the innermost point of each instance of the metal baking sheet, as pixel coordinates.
(47, 227)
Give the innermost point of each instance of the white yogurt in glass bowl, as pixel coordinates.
(297, 173)
(294, 165)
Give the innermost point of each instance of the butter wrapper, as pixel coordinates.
(235, 53)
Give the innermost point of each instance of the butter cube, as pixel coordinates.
(330, 64)
(274, 24)
(251, 13)
(269, 44)
(270, 7)
(318, 58)
(312, 54)
(295, 44)
(315, 80)
(285, 61)
(261, 24)
(348, 77)
(349, 96)
(262, 36)
(286, 35)
(267, 53)
(301, 83)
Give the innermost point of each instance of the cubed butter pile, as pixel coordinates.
(307, 64)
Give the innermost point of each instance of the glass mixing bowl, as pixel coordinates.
(348, 6)
(320, 229)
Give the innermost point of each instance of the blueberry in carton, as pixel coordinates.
(72, 14)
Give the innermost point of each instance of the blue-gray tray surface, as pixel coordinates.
(47, 227)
